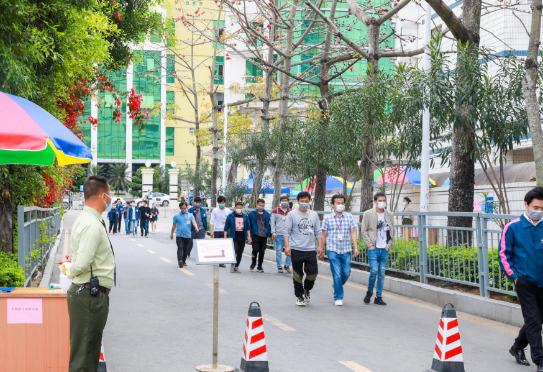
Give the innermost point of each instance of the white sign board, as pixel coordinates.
(214, 251)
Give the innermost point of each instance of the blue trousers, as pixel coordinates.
(279, 248)
(340, 264)
(378, 258)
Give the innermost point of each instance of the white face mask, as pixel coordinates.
(340, 208)
(382, 205)
(238, 211)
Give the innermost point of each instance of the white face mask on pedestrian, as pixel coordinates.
(340, 208)
(382, 205)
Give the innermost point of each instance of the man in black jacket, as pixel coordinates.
(144, 218)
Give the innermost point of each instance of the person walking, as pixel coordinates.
(520, 256)
(145, 214)
(200, 216)
(92, 269)
(154, 217)
(126, 219)
(218, 220)
(112, 217)
(120, 210)
(259, 222)
(183, 222)
(378, 234)
(302, 228)
(339, 231)
(133, 215)
(277, 224)
(238, 228)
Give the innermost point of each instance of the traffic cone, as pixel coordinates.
(102, 362)
(448, 350)
(255, 354)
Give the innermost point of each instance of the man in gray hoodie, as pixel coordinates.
(277, 221)
(302, 228)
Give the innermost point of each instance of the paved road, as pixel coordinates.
(161, 320)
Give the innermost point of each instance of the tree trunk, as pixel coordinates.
(257, 183)
(6, 216)
(462, 157)
(530, 90)
(233, 172)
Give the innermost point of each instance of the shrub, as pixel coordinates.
(11, 274)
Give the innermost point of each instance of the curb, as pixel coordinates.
(487, 308)
(48, 272)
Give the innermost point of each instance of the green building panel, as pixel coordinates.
(111, 135)
(85, 125)
(146, 142)
(170, 141)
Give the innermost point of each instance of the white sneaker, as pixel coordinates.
(300, 301)
(339, 302)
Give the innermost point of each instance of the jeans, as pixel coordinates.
(279, 248)
(113, 225)
(183, 246)
(378, 263)
(259, 250)
(304, 262)
(144, 227)
(531, 305)
(127, 225)
(133, 227)
(340, 264)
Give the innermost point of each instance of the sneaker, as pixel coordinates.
(232, 268)
(260, 270)
(300, 301)
(307, 297)
(184, 263)
(338, 302)
(180, 263)
(288, 270)
(280, 270)
(379, 301)
(236, 269)
(367, 299)
(252, 267)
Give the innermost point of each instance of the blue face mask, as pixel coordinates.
(184, 211)
(221, 206)
(108, 205)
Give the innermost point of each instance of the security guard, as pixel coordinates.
(92, 268)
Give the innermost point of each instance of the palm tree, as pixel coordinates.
(96, 170)
(117, 177)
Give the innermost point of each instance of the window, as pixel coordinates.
(170, 102)
(252, 72)
(220, 26)
(170, 141)
(219, 71)
(219, 100)
(170, 68)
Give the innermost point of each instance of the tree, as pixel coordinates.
(136, 184)
(200, 180)
(96, 170)
(160, 181)
(530, 84)
(117, 177)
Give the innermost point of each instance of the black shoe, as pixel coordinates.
(252, 267)
(540, 368)
(520, 357)
(180, 263)
(379, 301)
(260, 270)
(367, 299)
(307, 297)
(222, 265)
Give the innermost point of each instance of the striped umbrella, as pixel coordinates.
(31, 135)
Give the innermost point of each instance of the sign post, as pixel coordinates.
(215, 252)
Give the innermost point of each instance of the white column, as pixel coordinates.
(146, 180)
(94, 133)
(425, 151)
(225, 110)
(129, 124)
(174, 180)
(163, 109)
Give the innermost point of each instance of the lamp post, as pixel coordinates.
(425, 151)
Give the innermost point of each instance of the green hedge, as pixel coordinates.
(11, 274)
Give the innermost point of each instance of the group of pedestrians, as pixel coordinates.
(134, 215)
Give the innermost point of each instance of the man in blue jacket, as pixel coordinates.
(521, 258)
(259, 221)
(237, 227)
(133, 217)
(200, 216)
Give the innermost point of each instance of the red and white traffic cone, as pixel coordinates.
(255, 353)
(102, 362)
(448, 350)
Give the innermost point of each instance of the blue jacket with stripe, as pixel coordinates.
(521, 250)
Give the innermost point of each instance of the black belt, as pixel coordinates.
(100, 288)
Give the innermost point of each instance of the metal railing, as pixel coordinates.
(428, 249)
(37, 230)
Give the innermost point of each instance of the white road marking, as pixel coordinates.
(150, 251)
(279, 324)
(141, 245)
(133, 239)
(185, 271)
(354, 366)
(221, 291)
(165, 259)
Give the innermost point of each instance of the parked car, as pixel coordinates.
(158, 198)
